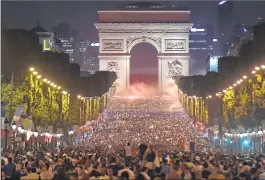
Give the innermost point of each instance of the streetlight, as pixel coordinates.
(6, 122)
(14, 127)
(48, 138)
(36, 134)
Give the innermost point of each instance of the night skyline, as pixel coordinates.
(82, 15)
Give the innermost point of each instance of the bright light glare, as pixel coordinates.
(64, 92)
(221, 3)
(171, 80)
(39, 76)
(79, 96)
(263, 66)
(48, 82)
(35, 72)
(246, 142)
(45, 80)
(245, 77)
(257, 68)
(131, 97)
(31, 69)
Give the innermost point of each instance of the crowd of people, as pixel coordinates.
(158, 121)
(136, 138)
(80, 163)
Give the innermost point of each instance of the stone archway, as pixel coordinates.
(167, 31)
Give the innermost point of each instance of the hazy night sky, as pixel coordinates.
(82, 15)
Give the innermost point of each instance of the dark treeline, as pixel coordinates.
(21, 50)
(230, 68)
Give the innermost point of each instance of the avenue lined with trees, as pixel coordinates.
(235, 96)
(47, 85)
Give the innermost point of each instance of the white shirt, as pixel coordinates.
(128, 151)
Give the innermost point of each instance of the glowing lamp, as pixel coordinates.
(224, 90)
(257, 68)
(45, 80)
(79, 96)
(230, 87)
(245, 77)
(246, 142)
(14, 126)
(52, 84)
(39, 76)
(55, 85)
(262, 66)
(210, 96)
(48, 82)
(64, 92)
(217, 94)
(235, 85)
(31, 69)
(253, 72)
(82, 98)
(59, 87)
(36, 134)
(35, 72)
(238, 82)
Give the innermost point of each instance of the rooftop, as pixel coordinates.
(38, 28)
(147, 6)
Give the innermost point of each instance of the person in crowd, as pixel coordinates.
(17, 174)
(32, 175)
(149, 157)
(128, 170)
(2, 168)
(128, 153)
(165, 168)
(9, 169)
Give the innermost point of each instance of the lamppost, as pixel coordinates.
(6, 122)
(14, 127)
(71, 135)
(36, 134)
(48, 139)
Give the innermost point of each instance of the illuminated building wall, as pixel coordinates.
(89, 61)
(202, 44)
(212, 64)
(68, 47)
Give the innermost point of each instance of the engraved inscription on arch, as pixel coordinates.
(112, 44)
(175, 44)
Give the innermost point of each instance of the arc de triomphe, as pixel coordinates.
(167, 30)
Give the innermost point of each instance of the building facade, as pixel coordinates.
(202, 44)
(121, 29)
(68, 41)
(47, 39)
(212, 64)
(88, 53)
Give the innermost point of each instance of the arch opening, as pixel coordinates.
(144, 65)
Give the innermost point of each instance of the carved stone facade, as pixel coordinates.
(170, 40)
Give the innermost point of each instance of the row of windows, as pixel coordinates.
(201, 48)
(67, 45)
(197, 41)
